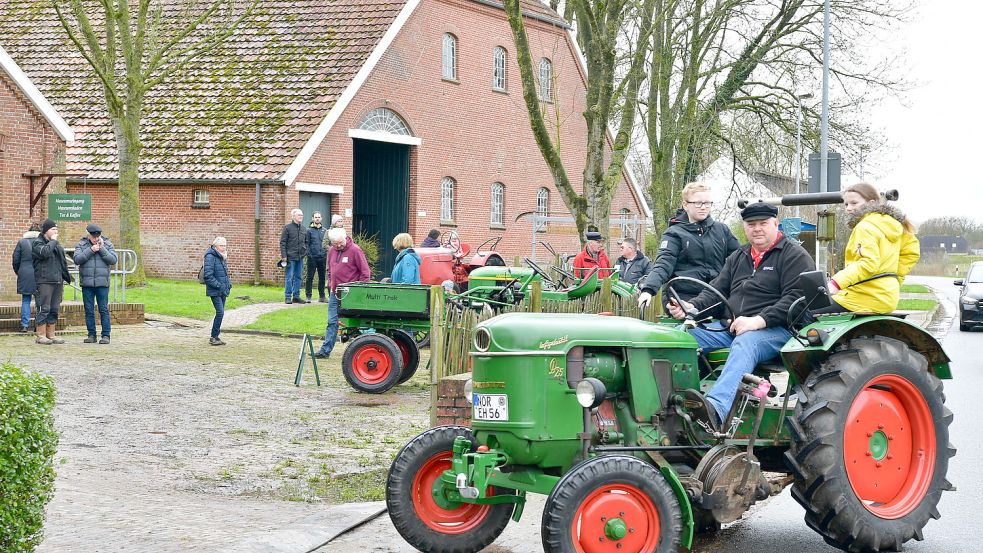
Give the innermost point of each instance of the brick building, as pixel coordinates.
(32, 138)
(399, 115)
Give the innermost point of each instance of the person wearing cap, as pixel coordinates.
(760, 281)
(50, 274)
(592, 258)
(23, 263)
(95, 256)
(694, 245)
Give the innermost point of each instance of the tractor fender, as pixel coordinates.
(685, 507)
(801, 359)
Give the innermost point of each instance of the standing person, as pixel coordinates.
(694, 246)
(293, 250)
(217, 284)
(592, 258)
(632, 265)
(881, 251)
(407, 269)
(432, 240)
(316, 257)
(23, 261)
(50, 274)
(337, 221)
(346, 263)
(94, 255)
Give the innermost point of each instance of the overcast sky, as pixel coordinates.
(938, 134)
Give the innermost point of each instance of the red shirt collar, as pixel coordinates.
(757, 257)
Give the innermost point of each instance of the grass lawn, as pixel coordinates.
(310, 319)
(915, 289)
(184, 298)
(916, 305)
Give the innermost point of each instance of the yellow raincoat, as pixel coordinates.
(878, 244)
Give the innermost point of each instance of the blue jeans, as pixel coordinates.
(291, 281)
(331, 332)
(218, 302)
(25, 310)
(93, 295)
(746, 351)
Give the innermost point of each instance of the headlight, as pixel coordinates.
(469, 390)
(482, 339)
(966, 300)
(590, 393)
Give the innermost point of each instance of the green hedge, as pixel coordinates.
(28, 442)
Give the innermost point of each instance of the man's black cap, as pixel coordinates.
(758, 211)
(93, 229)
(594, 235)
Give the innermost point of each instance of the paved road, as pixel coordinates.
(777, 525)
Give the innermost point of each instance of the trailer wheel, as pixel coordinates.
(422, 338)
(372, 363)
(612, 503)
(431, 523)
(410, 353)
(870, 446)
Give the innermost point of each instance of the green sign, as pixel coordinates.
(70, 207)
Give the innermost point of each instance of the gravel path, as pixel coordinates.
(242, 316)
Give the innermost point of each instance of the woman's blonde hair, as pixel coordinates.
(869, 192)
(693, 188)
(220, 240)
(402, 241)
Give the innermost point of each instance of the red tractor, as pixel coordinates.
(451, 261)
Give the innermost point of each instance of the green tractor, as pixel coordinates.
(600, 414)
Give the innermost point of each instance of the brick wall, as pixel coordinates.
(28, 142)
(452, 406)
(73, 314)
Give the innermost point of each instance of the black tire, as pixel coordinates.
(422, 338)
(835, 463)
(372, 363)
(410, 353)
(408, 498)
(582, 496)
(964, 327)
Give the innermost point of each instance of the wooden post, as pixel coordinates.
(436, 347)
(606, 294)
(517, 262)
(536, 297)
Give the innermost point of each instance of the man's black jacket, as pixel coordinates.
(768, 290)
(293, 242)
(695, 250)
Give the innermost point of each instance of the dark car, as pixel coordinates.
(971, 297)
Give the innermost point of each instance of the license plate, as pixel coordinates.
(490, 407)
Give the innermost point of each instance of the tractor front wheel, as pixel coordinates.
(372, 363)
(870, 446)
(422, 515)
(611, 503)
(409, 352)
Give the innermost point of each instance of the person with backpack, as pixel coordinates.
(215, 274)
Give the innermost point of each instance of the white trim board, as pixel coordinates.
(385, 137)
(316, 187)
(34, 95)
(348, 95)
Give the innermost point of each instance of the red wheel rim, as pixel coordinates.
(372, 364)
(404, 349)
(889, 446)
(459, 520)
(595, 523)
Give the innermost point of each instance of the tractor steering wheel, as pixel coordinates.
(539, 271)
(565, 277)
(702, 316)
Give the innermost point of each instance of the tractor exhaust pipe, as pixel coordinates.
(812, 198)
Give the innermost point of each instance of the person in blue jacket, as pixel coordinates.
(407, 269)
(217, 284)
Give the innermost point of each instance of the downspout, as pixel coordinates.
(256, 271)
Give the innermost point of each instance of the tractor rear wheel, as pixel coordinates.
(611, 503)
(372, 363)
(409, 351)
(870, 446)
(426, 520)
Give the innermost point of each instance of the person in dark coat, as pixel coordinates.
(94, 256)
(632, 265)
(694, 246)
(293, 250)
(317, 257)
(217, 284)
(23, 261)
(432, 240)
(50, 274)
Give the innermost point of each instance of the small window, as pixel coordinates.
(498, 68)
(497, 203)
(542, 207)
(447, 199)
(626, 228)
(546, 80)
(450, 57)
(200, 198)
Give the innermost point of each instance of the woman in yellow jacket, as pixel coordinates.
(881, 251)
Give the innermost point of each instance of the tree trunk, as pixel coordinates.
(126, 127)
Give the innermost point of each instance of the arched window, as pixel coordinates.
(384, 120)
(626, 229)
(447, 199)
(497, 203)
(546, 80)
(450, 57)
(498, 68)
(542, 206)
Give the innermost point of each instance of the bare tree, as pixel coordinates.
(133, 46)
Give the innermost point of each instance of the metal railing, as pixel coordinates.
(126, 265)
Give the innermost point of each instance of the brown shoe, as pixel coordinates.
(41, 338)
(50, 333)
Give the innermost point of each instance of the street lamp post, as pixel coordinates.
(798, 145)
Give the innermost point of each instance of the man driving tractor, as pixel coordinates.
(760, 282)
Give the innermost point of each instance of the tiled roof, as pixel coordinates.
(243, 111)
